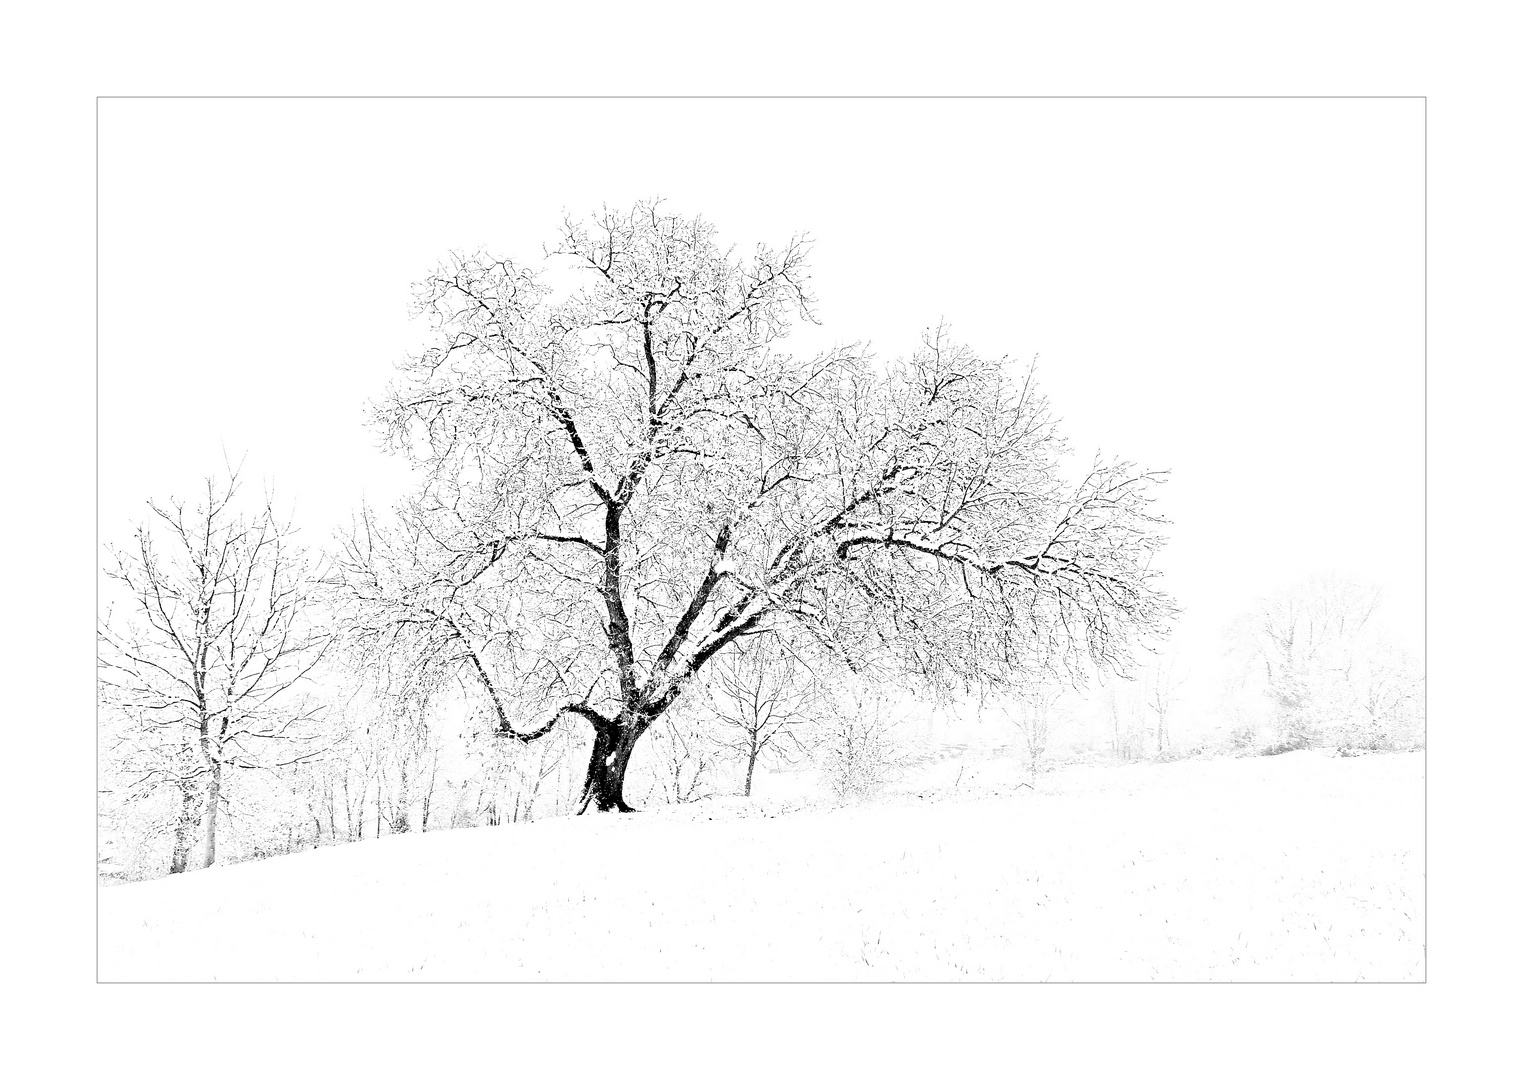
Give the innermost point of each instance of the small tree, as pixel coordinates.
(858, 745)
(621, 482)
(677, 759)
(1122, 710)
(510, 778)
(765, 700)
(1314, 652)
(1161, 686)
(1036, 717)
(201, 669)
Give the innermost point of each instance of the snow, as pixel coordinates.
(1296, 867)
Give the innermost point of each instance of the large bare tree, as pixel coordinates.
(204, 662)
(624, 476)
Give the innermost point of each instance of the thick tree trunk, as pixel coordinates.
(612, 745)
(750, 769)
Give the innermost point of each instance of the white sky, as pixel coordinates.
(1229, 289)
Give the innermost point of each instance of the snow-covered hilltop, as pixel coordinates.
(1301, 866)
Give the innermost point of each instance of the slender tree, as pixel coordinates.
(1036, 714)
(764, 699)
(678, 757)
(623, 479)
(1161, 688)
(203, 665)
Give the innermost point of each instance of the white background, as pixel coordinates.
(1460, 55)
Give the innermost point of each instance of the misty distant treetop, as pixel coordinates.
(620, 480)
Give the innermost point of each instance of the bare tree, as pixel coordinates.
(409, 764)
(354, 760)
(1123, 708)
(623, 482)
(205, 662)
(765, 698)
(1036, 717)
(859, 743)
(510, 778)
(1314, 651)
(1161, 686)
(678, 758)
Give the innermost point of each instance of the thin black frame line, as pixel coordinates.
(775, 97)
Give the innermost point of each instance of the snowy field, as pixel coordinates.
(1296, 867)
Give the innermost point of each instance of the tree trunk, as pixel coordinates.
(612, 745)
(539, 778)
(428, 794)
(213, 798)
(185, 828)
(750, 769)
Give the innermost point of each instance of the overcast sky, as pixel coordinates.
(1232, 290)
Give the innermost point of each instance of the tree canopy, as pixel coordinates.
(621, 479)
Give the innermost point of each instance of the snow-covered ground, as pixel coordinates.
(1301, 866)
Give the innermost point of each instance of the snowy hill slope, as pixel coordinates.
(1293, 867)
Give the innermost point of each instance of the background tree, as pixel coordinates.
(678, 758)
(623, 480)
(764, 698)
(1161, 686)
(204, 664)
(859, 742)
(1315, 652)
(513, 781)
(409, 766)
(1036, 716)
